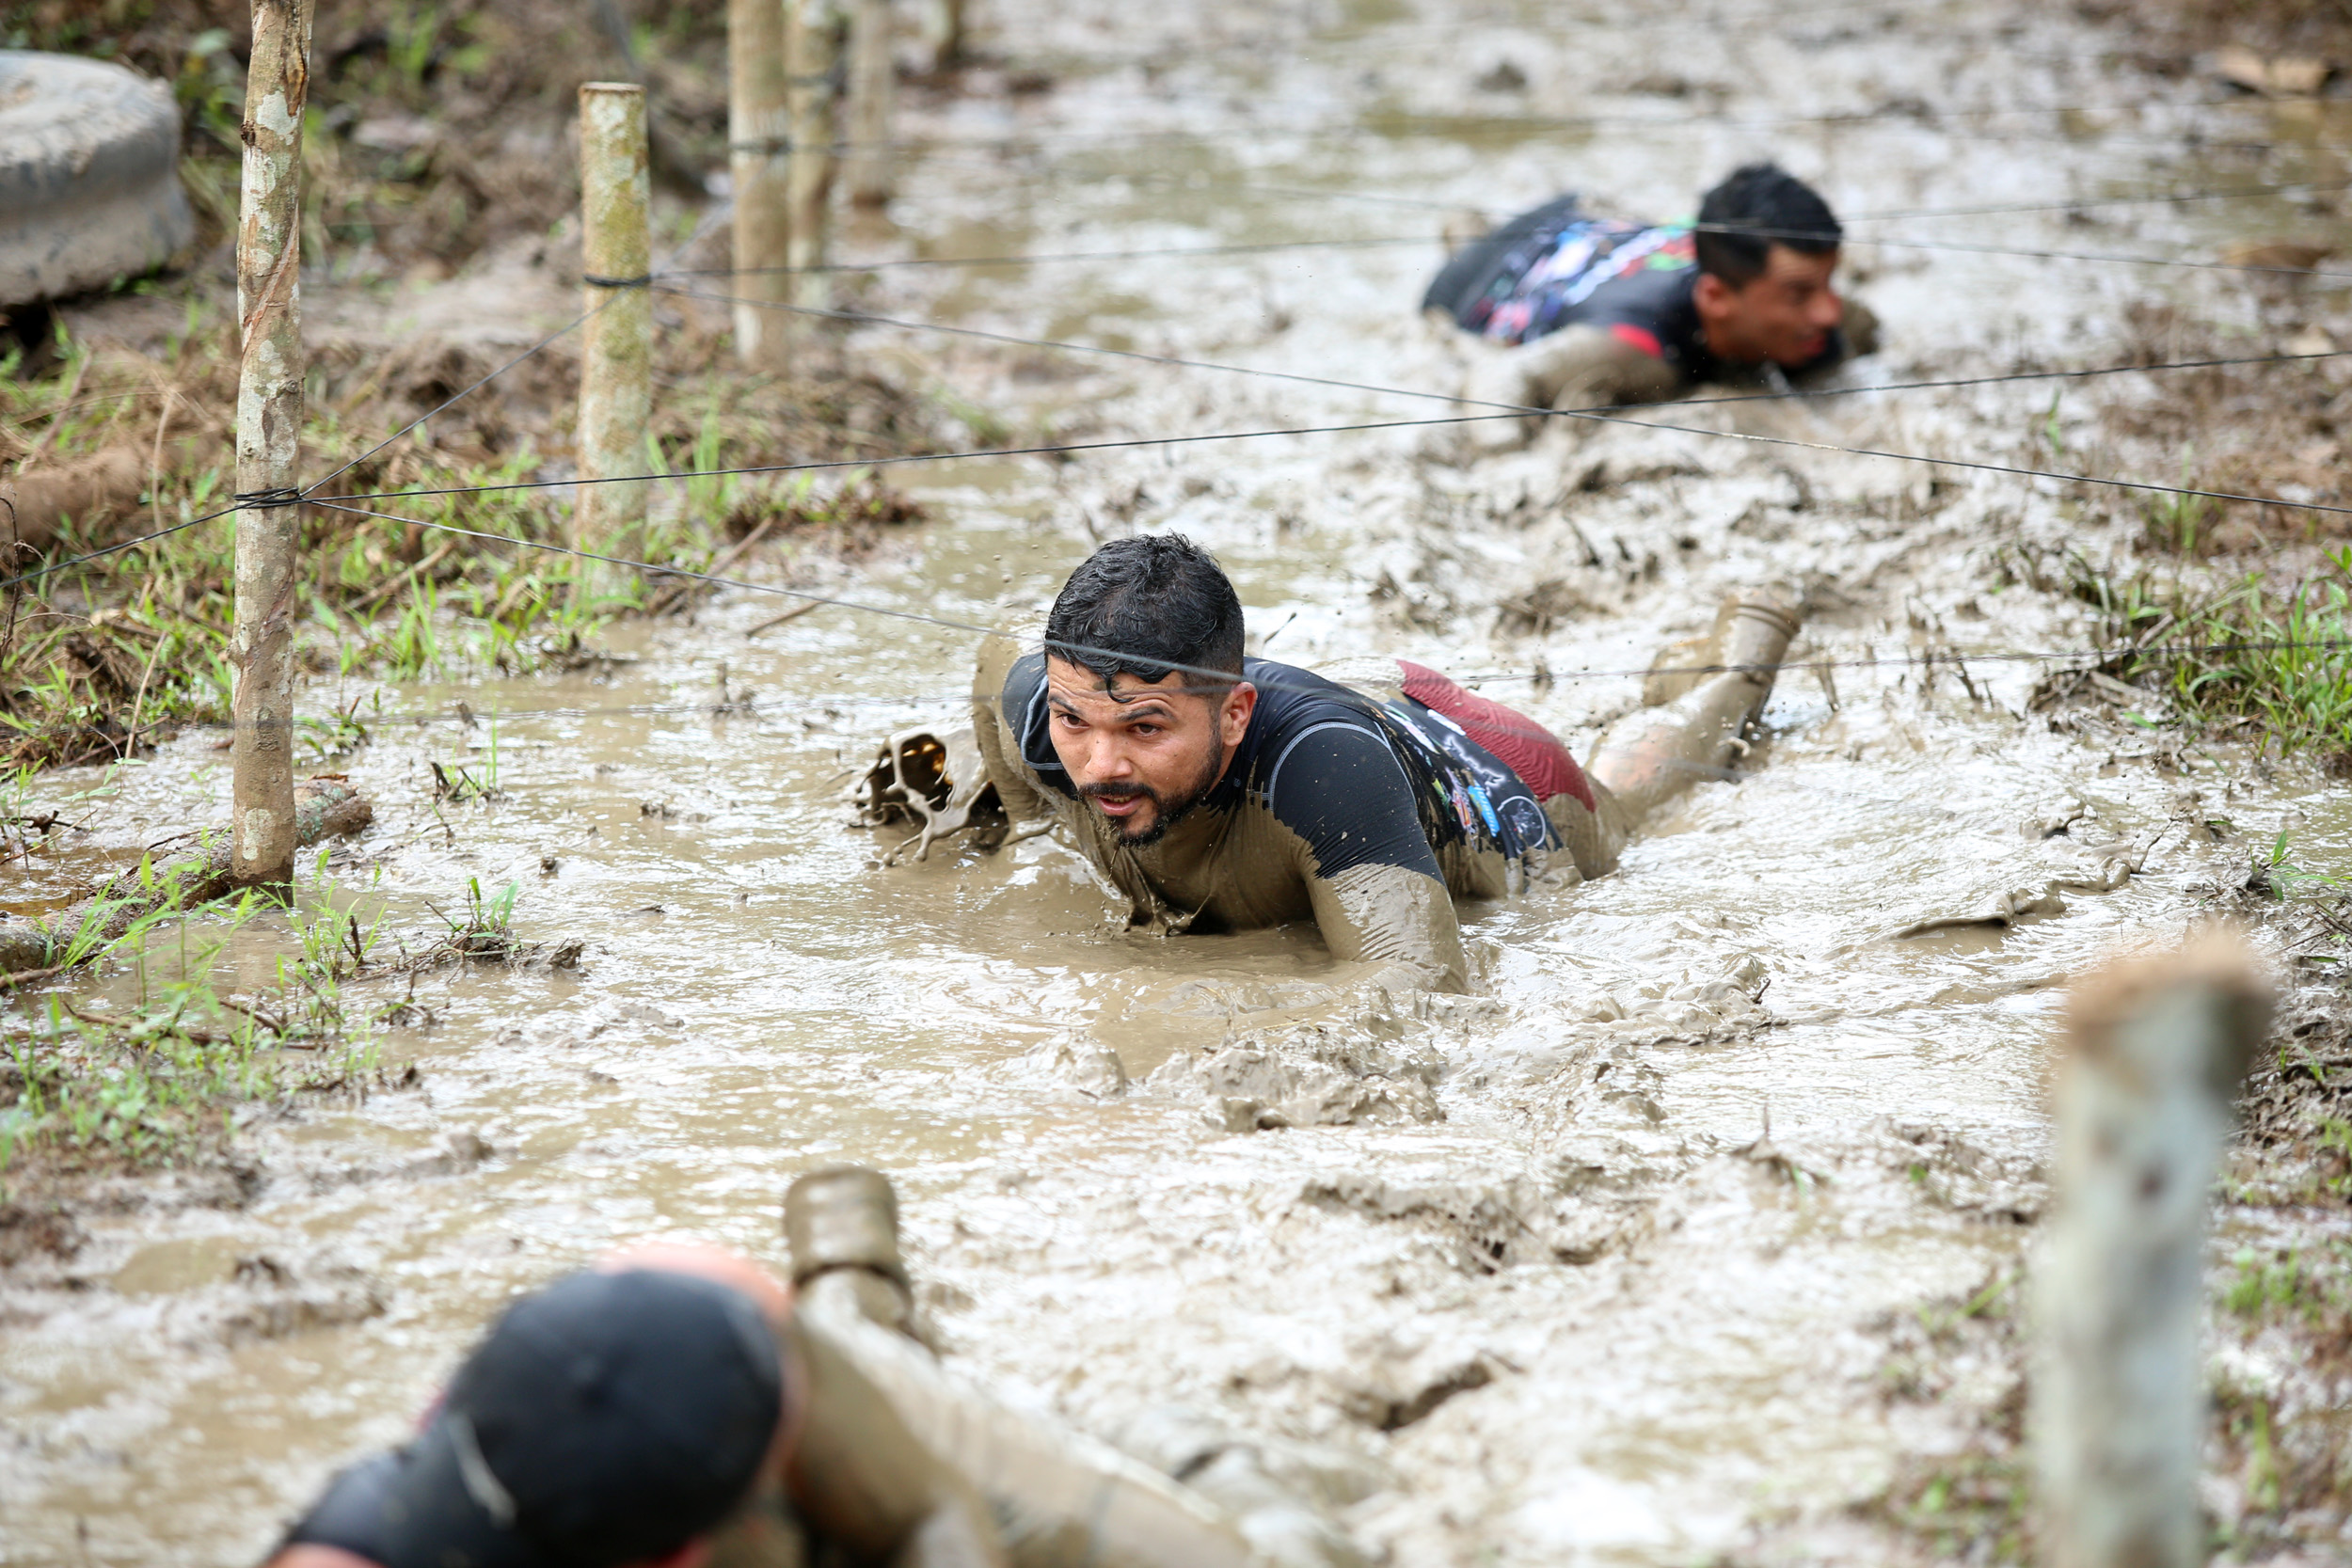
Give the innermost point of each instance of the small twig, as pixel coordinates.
(523, 583)
(200, 1037)
(156, 461)
(676, 591)
(16, 594)
(793, 615)
(2162, 624)
(131, 735)
(276, 1026)
(27, 976)
(407, 577)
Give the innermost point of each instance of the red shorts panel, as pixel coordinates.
(1522, 745)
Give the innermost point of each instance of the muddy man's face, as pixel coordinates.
(1784, 314)
(1144, 752)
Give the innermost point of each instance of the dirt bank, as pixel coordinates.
(441, 253)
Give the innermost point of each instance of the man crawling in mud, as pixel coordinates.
(1222, 793)
(1585, 311)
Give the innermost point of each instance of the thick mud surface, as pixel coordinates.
(1595, 1265)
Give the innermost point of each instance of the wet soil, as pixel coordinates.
(1606, 1263)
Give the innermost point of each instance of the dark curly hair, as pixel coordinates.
(1756, 207)
(1145, 606)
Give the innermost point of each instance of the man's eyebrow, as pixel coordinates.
(1145, 707)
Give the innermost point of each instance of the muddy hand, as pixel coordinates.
(842, 1225)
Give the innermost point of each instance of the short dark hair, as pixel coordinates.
(1144, 606)
(1756, 207)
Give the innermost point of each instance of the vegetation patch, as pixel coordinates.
(437, 138)
(2271, 660)
(2253, 659)
(107, 655)
(152, 1073)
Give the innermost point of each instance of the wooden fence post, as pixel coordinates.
(873, 83)
(269, 435)
(2144, 1099)
(759, 144)
(813, 36)
(616, 360)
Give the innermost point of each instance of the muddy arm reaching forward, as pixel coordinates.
(1577, 367)
(915, 1430)
(861, 1478)
(1378, 895)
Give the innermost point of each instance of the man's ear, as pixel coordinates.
(1711, 294)
(1234, 718)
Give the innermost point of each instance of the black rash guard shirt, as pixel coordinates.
(1361, 783)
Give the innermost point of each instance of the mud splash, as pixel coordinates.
(1595, 1266)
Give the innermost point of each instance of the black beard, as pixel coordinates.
(1164, 815)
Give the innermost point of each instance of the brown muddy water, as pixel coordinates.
(1705, 1124)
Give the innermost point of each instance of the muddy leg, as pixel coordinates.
(1652, 755)
(1595, 835)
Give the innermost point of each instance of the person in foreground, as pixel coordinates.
(663, 1409)
(1581, 311)
(679, 1406)
(1222, 793)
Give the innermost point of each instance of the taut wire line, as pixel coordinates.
(572, 325)
(1224, 678)
(865, 318)
(1439, 122)
(1518, 412)
(1384, 242)
(2012, 471)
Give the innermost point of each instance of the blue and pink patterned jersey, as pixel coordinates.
(1560, 266)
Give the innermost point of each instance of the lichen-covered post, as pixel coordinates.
(269, 434)
(2144, 1100)
(616, 358)
(813, 32)
(873, 82)
(759, 165)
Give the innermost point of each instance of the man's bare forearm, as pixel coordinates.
(1400, 922)
(863, 1478)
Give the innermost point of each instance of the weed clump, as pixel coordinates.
(2266, 661)
(486, 931)
(110, 654)
(154, 1073)
(151, 1080)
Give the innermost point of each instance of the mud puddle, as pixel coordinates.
(1597, 1268)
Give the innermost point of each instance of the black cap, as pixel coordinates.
(609, 1417)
